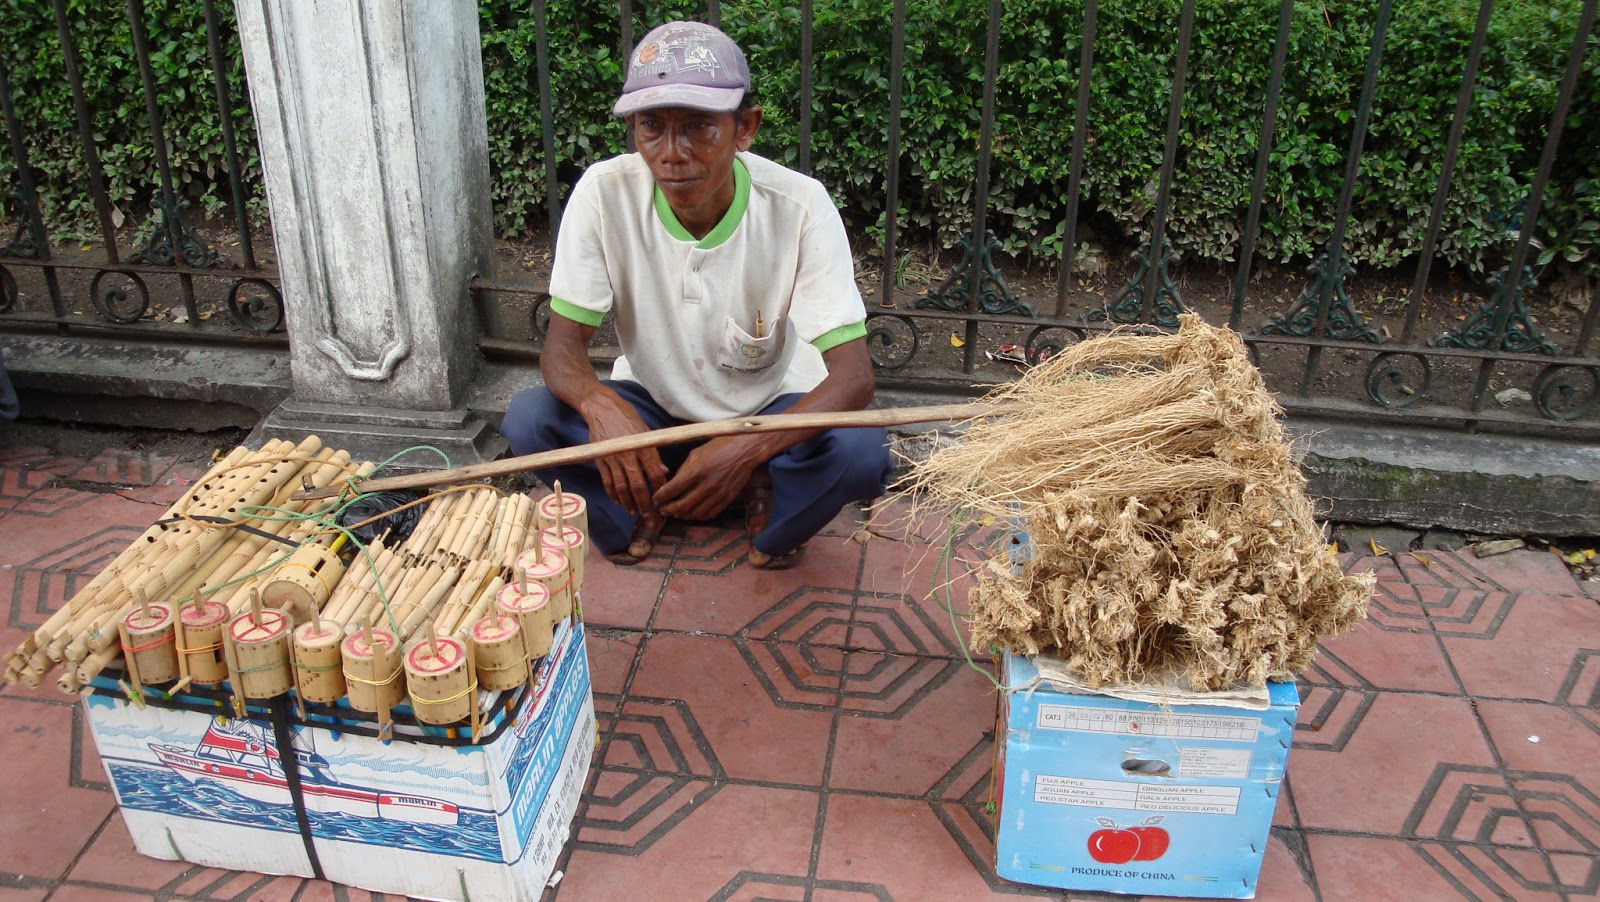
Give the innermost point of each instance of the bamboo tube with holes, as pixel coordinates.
(549, 568)
(501, 661)
(148, 642)
(359, 571)
(522, 527)
(258, 644)
(433, 512)
(447, 535)
(497, 531)
(200, 641)
(438, 679)
(371, 667)
(529, 602)
(474, 533)
(318, 668)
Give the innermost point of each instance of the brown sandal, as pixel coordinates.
(646, 533)
(757, 509)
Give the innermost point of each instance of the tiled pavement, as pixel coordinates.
(815, 734)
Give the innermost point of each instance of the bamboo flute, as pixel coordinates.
(250, 544)
(481, 604)
(470, 543)
(497, 534)
(465, 590)
(423, 611)
(519, 532)
(353, 589)
(422, 539)
(453, 527)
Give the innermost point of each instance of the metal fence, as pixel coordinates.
(1321, 354)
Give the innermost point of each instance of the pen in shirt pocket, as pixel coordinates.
(761, 326)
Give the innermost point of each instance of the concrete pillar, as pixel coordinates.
(370, 117)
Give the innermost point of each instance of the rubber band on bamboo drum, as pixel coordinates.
(372, 678)
(530, 603)
(260, 665)
(441, 685)
(318, 666)
(551, 568)
(201, 647)
(502, 661)
(151, 644)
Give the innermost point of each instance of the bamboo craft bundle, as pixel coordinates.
(278, 607)
(1169, 534)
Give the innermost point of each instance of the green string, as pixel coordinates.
(943, 570)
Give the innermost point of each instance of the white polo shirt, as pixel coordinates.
(686, 310)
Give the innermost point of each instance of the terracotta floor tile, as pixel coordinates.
(1368, 779)
(908, 593)
(1370, 656)
(911, 749)
(623, 597)
(705, 548)
(867, 842)
(757, 603)
(611, 654)
(23, 894)
(1383, 567)
(1527, 570)
(755, 711)
(86, 532)
(1538, 739)
(125, 467)
(1377, 870)
(1541, 644)
(112, 859)
(36, 798)
(17, 486)
(700, 850)
(1400, 605)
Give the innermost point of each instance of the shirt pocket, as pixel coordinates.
(739, 351)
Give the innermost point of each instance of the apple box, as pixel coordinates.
(1112, 795)
(428, 814)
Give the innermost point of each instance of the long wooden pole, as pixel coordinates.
(778, 422)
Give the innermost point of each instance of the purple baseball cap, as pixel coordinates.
(687, 64)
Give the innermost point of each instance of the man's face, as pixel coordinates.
(690, 154)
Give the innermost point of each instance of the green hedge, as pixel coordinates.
(1230, 60)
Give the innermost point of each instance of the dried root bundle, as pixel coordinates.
(1169, 531)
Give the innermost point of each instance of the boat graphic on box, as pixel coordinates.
(237, 756)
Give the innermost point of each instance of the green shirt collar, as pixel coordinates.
(730, 219)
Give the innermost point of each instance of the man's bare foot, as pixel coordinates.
(645, 535)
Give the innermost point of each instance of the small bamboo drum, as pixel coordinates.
(303, 581)
(533, 614)
(497, 646)
(260, 653)
(574, 545)
(440, 684)
(573, 509)
(202, 641)
(317, 665)
(151, 646)
(372, 672)
(549, 568)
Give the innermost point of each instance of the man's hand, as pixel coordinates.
(632, 477)
(713, 475)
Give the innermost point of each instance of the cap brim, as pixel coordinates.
(694, 97)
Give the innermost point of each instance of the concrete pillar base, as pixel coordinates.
(376, 433)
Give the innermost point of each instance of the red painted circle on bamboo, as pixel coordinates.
(421, 660)
(356, 644)
(494, 629)
(246, 628)
(554, 561)
(160, 618)
(513, 601)
(571, 505)
(210, 614)
(306, 634)
(569, 537)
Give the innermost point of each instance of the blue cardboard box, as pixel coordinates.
(1112, 795)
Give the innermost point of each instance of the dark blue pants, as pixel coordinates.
(811, 482)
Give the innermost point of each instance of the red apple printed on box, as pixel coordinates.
(1120, 845)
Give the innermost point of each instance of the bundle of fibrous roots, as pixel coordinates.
(1168, 533)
